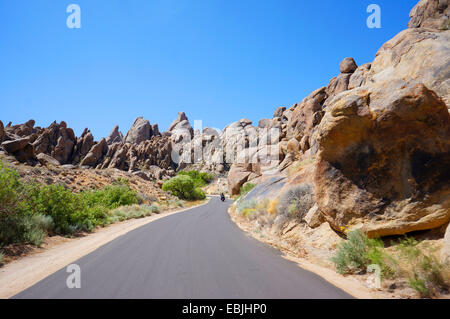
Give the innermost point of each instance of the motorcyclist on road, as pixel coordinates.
(222, 197)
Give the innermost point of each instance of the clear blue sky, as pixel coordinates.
(219, 61)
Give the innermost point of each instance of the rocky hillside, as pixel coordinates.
(372, 148)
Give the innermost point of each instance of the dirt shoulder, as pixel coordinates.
(349, 284)
(23, 273)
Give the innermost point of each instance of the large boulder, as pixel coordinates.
(264, 123)
(83, 146)
(132, 157)
(21, 149)
(115, 136)
(279, 111)
(239, 174)
(57, 140)
(180, 118)
(181, 129)
(416, 54)
(360, 77)
(155, 130)
(23, 130)
(433, 14)
(46, 160)
(307, 114)
(96, 154)
(348, 65)
(314, 217)
(139, 132)
(384, 159)
(15, 146)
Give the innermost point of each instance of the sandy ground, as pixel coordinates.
(350, 285)
(27, 271)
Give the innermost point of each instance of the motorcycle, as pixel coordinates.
(222, 197)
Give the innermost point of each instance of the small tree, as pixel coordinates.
(181, 186)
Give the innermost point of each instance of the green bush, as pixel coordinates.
(181, 186)
(198, 194)
(133, 211)
(419, 285)
(296, 201)
(358, 252)
(112, 196)
(28, 211)
(62, 205)
(426, 272)
(199, 179)
(246, 205)
(246, 188)
(185, 187)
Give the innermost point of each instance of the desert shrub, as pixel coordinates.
(296, 201)
(273, 207)
(184, 187)
(419, 285)
(28, 211)
(198, 194)
(178, 203)
(112, 196)
(246, 188)
(154, 209)
(59, 203)
(1, 258)
(263, 205)
(36, 228)
(246, 204)
(181, 186)
(358, 252)
(134, 211)
(199, 179)
(10, 216)
(10, 189)
(424, 272)
(248, 212)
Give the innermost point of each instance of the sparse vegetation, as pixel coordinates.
(246, 205)
(200, 179)
(422, 270)
(246, 188)
(133, 211)
(29, 212)
(187, 185)
(296, 201)
(358, 252)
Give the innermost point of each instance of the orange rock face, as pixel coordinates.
(384, 160)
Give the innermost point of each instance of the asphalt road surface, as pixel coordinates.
(199, 253)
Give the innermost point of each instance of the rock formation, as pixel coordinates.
(433, 14)
(140, 131)
(115, 136)
(376, 140)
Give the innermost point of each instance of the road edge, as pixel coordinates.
(25, 272)
(352, 287)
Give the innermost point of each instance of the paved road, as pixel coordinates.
(199, 253)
